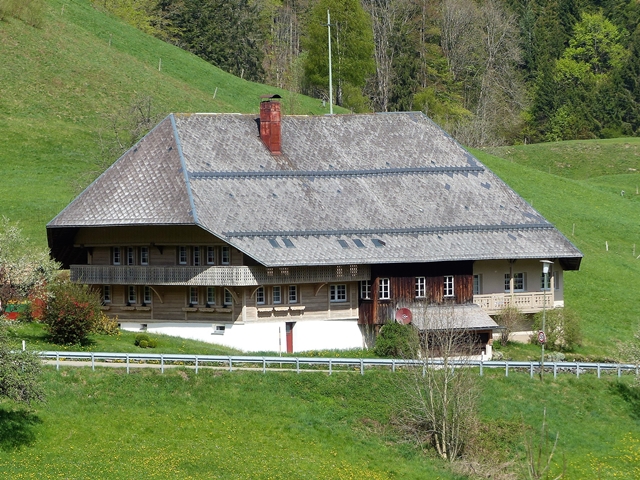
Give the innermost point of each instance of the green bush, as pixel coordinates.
(396, 340)
(562, 327)
(71, 312)
(106, 325)
(143, 340)
(141, 337)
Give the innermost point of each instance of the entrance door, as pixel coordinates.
(289, 331)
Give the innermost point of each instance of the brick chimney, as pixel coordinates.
(270, 123)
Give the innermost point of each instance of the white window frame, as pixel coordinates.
(276, 294)
(260, 296)
(211, 295)
(365, 289)
(519, 280)
(106, 294)
(132, 295)
(193, 296)
(211, 255)
(144, 255)
(147, 297)
(421, 287)
(225, 256)
(448, 288)
(228, 298)
(182, 255)
(196, 256)
(477, 284)
(384, 290)
(293, 294)
(117, 258)
(131, 256)
(338, 293)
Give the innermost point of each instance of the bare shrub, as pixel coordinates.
(439, 393)
(508, 318)
(540, 453)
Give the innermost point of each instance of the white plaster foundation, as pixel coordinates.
(263, 336)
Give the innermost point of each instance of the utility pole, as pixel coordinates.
(330, 79)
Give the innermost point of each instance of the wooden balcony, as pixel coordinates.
(223, 276)
(527, 302)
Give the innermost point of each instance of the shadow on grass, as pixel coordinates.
(17, 428)
(631, 395)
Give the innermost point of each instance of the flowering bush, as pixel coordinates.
(106, 325)
(71, 313)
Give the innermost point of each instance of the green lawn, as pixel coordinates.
(108, 424)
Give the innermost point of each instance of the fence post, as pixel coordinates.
(127, 363)
(531, 369)
(93, 365)
(481, 367)
(506, 369)
(361, 366)
(196, 364)
(598, 370)
(230, 364)
(297, 365)
(555, 370)
(264, 365)
(619, 371)
(161, 363)
(57, 360)
(577, 370)
(329, 366)
(393, 365)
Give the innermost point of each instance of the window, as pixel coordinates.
(116, 255)
(477, 284)
(545, 285)
(182, 255)
(211, 295)
(260, 296)
(147, 295)
(228, 298)
(131, 256)
(338, 293)
(365, 289)
(193, 295)
(226, 256)
(277, 294)
(383, 292)
(211, 256)
(106, 294)
(421, 287)
(448, 286)
(518, 282)
(132, 298)
(144, 255)
(196, 255)
(293, 294)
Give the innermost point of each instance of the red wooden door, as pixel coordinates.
(289, 331)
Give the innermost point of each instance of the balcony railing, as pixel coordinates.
(223, 276)
(529, 302)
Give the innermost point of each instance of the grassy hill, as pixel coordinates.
(61, 81)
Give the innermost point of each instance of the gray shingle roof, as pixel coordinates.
(452, 317)
(397, 178)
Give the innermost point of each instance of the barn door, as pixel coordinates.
(289, 331)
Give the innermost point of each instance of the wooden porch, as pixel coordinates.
(527, 302)
(227, 276)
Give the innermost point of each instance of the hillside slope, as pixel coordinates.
(61, 82)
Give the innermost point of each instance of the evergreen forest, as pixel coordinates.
(491, 72)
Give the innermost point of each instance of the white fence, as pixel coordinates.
(299, 364)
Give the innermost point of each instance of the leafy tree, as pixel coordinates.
(351, 50)
(24, 270)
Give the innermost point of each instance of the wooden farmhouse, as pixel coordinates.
(305, 232)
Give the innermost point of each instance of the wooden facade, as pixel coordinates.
(403, 288)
